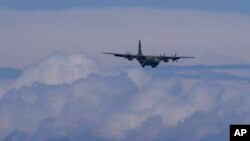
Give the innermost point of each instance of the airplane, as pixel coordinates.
(147, 60)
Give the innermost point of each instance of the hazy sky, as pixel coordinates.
(65, 89)
(208, 29)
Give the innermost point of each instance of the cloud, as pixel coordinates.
(85, 104)
(58, 69)
(129, 104)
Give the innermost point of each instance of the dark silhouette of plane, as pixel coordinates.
(148, 60)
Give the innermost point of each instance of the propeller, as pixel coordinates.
(128, 56)
(174, 59)
(162, 57)
(128, 53)
(175, 55)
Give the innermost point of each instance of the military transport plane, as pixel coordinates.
(148, 60)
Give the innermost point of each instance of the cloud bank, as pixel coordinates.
(68, 97)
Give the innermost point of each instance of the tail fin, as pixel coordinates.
(139, 48)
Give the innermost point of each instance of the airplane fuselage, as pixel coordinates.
(149, 61)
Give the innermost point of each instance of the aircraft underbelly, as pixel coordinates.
(150, 62)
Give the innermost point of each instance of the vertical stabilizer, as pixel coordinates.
(139, 48)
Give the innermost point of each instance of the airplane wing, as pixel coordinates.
(174, 58)
(126, 56)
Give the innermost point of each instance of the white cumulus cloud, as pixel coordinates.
(58, 69)
(66, 97)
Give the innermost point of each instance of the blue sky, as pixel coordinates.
(240, 6)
